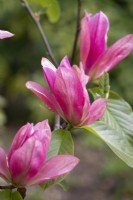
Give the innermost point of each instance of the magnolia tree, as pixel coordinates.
(39, 155)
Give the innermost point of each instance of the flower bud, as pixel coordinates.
(67, 94)
(26, 163)
(94, 54)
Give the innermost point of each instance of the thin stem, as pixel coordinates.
(57, 122)
(7, 187)
(36, 20)
(77, 31)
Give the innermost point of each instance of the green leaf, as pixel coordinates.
(52, 8)
(9, 195)
(63, 185)
(116, 127)
(49, 183)
(5, 195)
(62, 143)
(104, 84)
(16, 196)
(53, 12)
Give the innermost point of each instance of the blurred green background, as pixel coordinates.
(20, 58)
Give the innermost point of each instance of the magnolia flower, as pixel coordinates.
(94, 54)
(27, 164)
(67, 94)
(5, 34)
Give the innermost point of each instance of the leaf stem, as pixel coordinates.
(36, 20)
(77, 31)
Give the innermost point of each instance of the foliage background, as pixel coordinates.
(20, 61)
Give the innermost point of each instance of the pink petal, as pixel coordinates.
(4, 172)
(44, 133)
(43, 94)
(49, 72)
(20, 159)
(22, 135)
(27, 160)
(85, 39)
(5, 34)
(81, 74)
(113, 55)
(65, 63)
(55, 167)
(86, 109)
(46, 63)
(96, 111)
(37, 159)
(69, 94)
(98, 28)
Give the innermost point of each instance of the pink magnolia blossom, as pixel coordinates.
(5, 34)
(67, 94)
(94, 54)
(27, 164)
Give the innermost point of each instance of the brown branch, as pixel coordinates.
(7, 187)
(77, 31)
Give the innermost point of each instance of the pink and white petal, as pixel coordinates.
(46, 63)
(50, 77)
(49, 71)
(98, 26)
(21, 136)
(113, 55)
(65, 63)
(81, 74)
(4, 172)
(96, 111)
(86, 109)
(85, 39)
(55, 167)
(44, 94)
(20, 160)
(38, 157)
(44, 132)
(69, 94)
(5, 34)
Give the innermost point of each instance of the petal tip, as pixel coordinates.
(5, 34)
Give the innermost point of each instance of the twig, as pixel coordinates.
(77, 31)
(7, 187)
(36, 20)
(57, 122)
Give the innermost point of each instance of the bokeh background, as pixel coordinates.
(100, 174)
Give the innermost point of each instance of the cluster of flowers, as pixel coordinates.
(26, 163)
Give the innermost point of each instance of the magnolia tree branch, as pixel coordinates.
(57, 122)
(77, 31)
(7, 187)
(36, 20)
